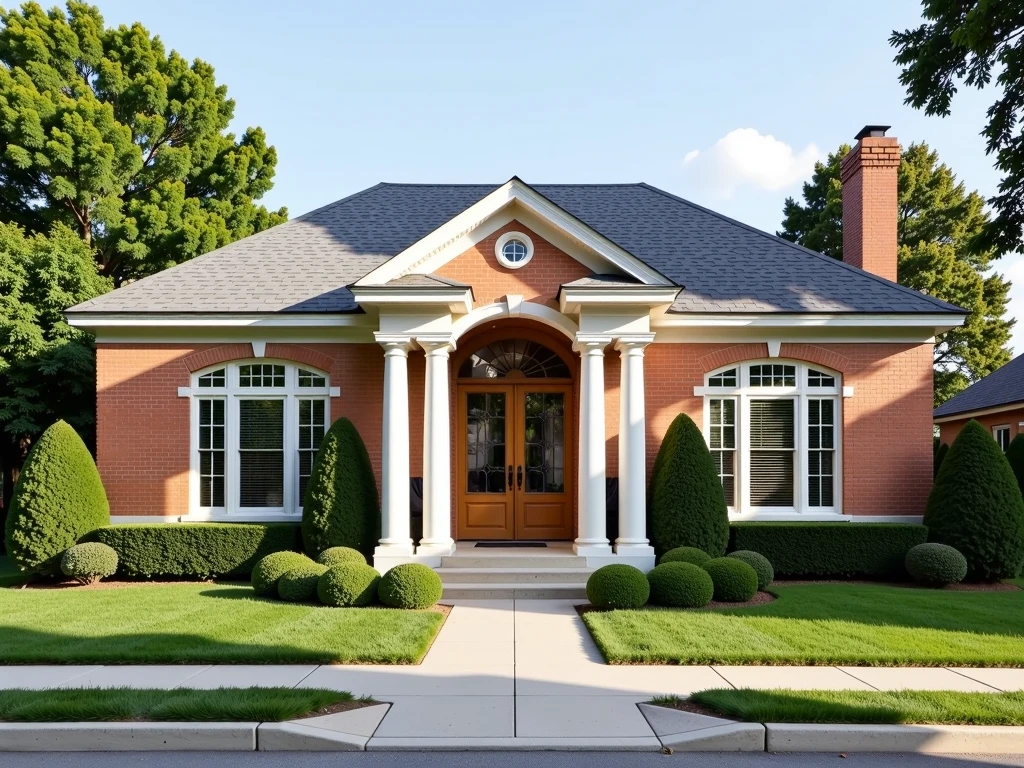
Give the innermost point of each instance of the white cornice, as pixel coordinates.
(571, 299)
(513, 192)
(938, 323)
(457, 300)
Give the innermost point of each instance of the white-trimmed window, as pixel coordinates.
(256, 428)
(1002, 436)
(773, 428)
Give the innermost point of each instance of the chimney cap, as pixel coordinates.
(874, 131)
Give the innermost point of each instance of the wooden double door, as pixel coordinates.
(514, 461)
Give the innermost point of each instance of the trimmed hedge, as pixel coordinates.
(270, 569)
(687, 501)
(680, 585)
(299, 584)
(196, 550)
(686, 555)
(936, 564)
(348, 585)
(762, 566)
(830, 550)
(58, 499)
(735, 581)
(88, 563)
(1015, 455)
(976, 506)
(337, 555)
(412, 585)
(938, 458)
(341, 507)
(618, 586)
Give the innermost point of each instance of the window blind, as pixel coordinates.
(772, 435)
(261, 453)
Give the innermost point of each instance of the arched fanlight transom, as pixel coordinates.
(514, 359)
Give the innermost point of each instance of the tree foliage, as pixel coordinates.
(105, 131)
(976, 43)
(938, 224)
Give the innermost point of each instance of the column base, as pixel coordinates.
(442, 548)
(394, 549)
(634, 548)
(591, 548)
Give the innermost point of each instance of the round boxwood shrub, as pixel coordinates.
(411, 585)
(680, 585)
(348, 585)
(341, 507)
(734, 580)
(299, 584)
(936, 564)
(761, 565)
(337, 555)
(88, 563)
(976, 507)
(686, 555)
(272, 567)
(618, 586)
(58, 499)
(687, 501)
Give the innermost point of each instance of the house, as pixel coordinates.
(996, 401)
(515, 346)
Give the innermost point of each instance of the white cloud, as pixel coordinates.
(745, 157)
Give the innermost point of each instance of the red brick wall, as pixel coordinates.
(950, 429)
(869, 175)
(887, 432)
(142, 440)
(538, 281)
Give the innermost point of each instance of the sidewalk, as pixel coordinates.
(510, 674)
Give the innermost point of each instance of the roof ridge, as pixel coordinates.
(889, 283)
(480, 184)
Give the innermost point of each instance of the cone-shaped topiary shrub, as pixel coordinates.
(976, 507)
(88, 563)
(618, 586)
(687, 501)
(1015, 455)
(940, 456)
(341, 507)
(936, 564)
(761, 565)
(272, 567)
(735, 581)
(680, 585)
(412, 585)
(348, 585)
(337, 555)
(299, 584)
(58, 499)
(685, 555)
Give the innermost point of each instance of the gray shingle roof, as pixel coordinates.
(1004, 386)
(305, 264)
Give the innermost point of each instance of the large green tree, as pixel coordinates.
(975, 42)
(107, 132)
(938, 222)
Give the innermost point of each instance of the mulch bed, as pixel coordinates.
(341, 706)
(684, 705)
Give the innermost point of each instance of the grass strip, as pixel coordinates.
(853, 624)
(201, 624)
(10, 574)
(180, 705)
(864, 707)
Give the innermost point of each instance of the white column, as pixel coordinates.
(592, 539)
(632, 539)
(437, 446)
(395, 538)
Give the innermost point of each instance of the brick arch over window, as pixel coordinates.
(808, 353)
(295, 353)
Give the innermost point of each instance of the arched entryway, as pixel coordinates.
(514, 477)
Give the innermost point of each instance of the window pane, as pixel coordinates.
(485, 442)
(310, 379)
(819, 379)
(311, 433)
(261, 453)
(821, 452)
(212, 379)
(211, 452)
(545, 442)
(772, 375)
(723, 379)
(261, 375)
(722, 418)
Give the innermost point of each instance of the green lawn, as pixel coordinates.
(853, 624)
(10, 575)
(945, 707)
(201, 623)
(220, 705)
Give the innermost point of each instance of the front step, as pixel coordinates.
(500, 591)
(546, 562)
(524, 576)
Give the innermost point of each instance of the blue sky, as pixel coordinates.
(352, 94)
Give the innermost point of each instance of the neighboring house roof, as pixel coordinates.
(1004, 386)
(304, 265)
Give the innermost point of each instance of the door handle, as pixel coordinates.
(510, 476)
(519, 477)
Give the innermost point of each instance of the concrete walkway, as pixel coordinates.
(506, 673)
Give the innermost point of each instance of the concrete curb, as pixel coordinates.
(123, 737)
(690, 732)
(341, 732)
(950, 739)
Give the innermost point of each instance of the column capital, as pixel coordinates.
(634, 343)
(439, 344)
(591, 343)
(393, 342)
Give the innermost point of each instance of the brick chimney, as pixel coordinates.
(868, 174)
